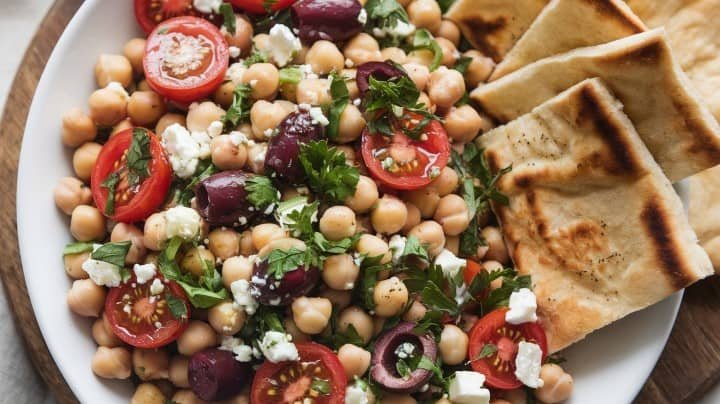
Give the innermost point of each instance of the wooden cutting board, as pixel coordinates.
(688, 368)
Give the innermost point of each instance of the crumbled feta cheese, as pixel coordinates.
(349, 63)
(278, 347)
(397, 245)
(387, 163)
(238, 138)
(527, 364)
(405, 350)
(144, 272)
(215, 129)
(467, 388)
(523, 305)
(182, 149)
(401, 29)
(243, 353)
(156, 287)
(357, 102)
(234, 52)
(434, 172)
(317, 115)
(449, 263)
(117, 88)
(362, 17)
(283, 44)
(258, 151)
(243, 297)
(207, 6)
(307, 72)
(102, 273)
(235, 72)
(182, 222)
(355, 394)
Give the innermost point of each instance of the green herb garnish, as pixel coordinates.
(261, 192)
(424, 40)
(177, 307)
(138, 157)
(239, 109)
(112, 253)
(327, 171)
(110, 183)
(77, 248)
(290, 75)
(340, 99)
(229, 20)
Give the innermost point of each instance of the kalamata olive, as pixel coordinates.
(281, 158)
(214, 374)
(385, 358)
(332, 20)
(379, 70)
(268, 290)
(222, 199)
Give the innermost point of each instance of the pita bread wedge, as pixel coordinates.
(704, 211)
(493, 26)
(640, 70)
(591, 216)
(565, 25)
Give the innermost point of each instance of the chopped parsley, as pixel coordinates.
(424, 40)
(290, 75)
(321, 386)
(257, 56)
(487, 351)
(327, 171)
(110, 183)
(229, 20)
(261, 192)
(384, 15)
(239, 109)
(340, 100)
(138, 157)
(177, 306)
(462, 64)
(414, 248)
(281, 262)
(77, 248)
(112, 253)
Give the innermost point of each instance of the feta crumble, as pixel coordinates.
(243, 297)
(467, 388)
(242, 352)
(450, 263)
(183, 150)
(362, 17)
(102, 273)
(317, 115)
(234, 51)
(405, 350)
(182, 222)
(527, 364)
(283, 44)
(207, 6)
(118, 89)
(144, 272)
(278, 347)
(355, 394)
(397, 245)
(235, 72)
(523, 305)
(215, 129)
(156, 287)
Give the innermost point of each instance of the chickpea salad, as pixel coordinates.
(282, 202)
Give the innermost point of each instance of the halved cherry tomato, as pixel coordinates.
(150, 13)
(142, 319)
(403, 163)
(132, 204)
(185, 59)
(261, 6)
(472, 268)
(499, 368)
(292, 382)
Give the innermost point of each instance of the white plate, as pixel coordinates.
(609, 367)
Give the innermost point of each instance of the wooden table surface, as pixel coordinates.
(687, 369)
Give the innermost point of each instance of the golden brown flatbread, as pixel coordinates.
(704, 211)
(493, 26)
(564, 25)
(640, 70)
(591, 216)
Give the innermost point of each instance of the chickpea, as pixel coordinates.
(416, 312)
(150, 364)
(392, 398)
(311, 314)
(196, 259)
(73, 265)
(349, 153)
(352, 124)
(361, 321)
(452, 214)
(85, 298)
(77, 128)
(413, 217)
(261, 41)
(201, 115)
(70, 193)
(227, 155)
(497, 251)
(362, 48)
(292, 329)
(112, 363)
(418, 73)
(389, 215)
(84, 160)
(395, 54)
(447, 182)
(264, 233)
(557, 386)
(450, 31)
(425, 100)
(479, 69)
(443, 400)
(422, 57)
(121, 126)
(354, 359)
(148, 393)
(256, 157)
(198, 336)
(373, 246)
(168, 120)
(186, 397)
(109, 68)
(226, 318)
(313, 92)
(223, 95)
(264, 78)
(340, 272)
(129, 232)
(224, 243)
(145, 108)
(390, 297)
(242, 39)
(265, 117)
(324, 57)
(87, 223)
(246, 243)
(430, 233)
(143, 85)
(463, 123)
(338, 222)
(103, 335)
(350, 75)
(425, 199)
(452, 243)
(178, 371)
(453, 345)
(155, 233)
(339, 299)
(107, 106)
(450, 52)
(134, 52)
(425, 14)
(366, 194)
(446, 87)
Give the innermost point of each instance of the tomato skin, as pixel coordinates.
(151, 192)
(437, 145)
(471, 270)
(147, 11)
(171, 328)
(485, 331)
(308, 351)
(196, 86)
(256, 6)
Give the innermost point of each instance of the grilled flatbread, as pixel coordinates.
(591, 216)
(565, 25)
(704, 211)
(640, 70)
(493, 26)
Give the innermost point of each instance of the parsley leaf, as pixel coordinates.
(414, 248)
(77, 248)
(384, 14)
(176, 306)
(240, 107)
(334, 247)
(110, 183)
(257, 56)
(340, 99)
(487, 351)
(281, 262)
(261, 192)
(462, 64)
(445, 5)
(229, 20)
(424, 40)
(138, 157)
(327, 171)
(298, 215)
(434, 298)
(184, 190)
(369, 268)
(290, 75)
(112, 253)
